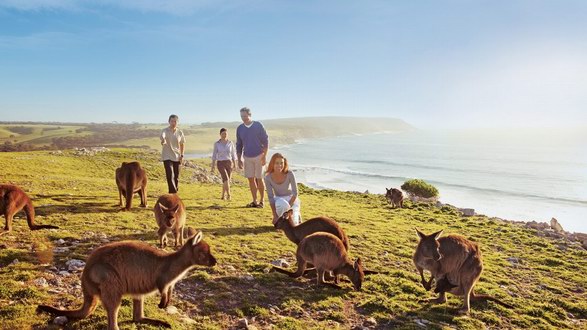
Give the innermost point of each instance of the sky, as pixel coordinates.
(431, 63)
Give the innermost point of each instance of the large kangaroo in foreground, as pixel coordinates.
(131, 178)
(170, 215)
(12, 200)
(136, 269)
(455, 263)
(328, 254)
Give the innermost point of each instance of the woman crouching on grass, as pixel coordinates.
(224, 155)
(282, 189)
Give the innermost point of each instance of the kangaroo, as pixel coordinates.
(328, 254)
(170, 215)
(131, 178)
(395, 197)
(136, 269)
(454, 259)
(12, 200)
(297, 233)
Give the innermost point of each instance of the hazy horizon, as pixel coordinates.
(522, 129)
(449, 64)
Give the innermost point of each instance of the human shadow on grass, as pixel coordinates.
(76, 205)
(426, 314)
(234, 294)
(228, 231)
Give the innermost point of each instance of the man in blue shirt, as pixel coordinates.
(252, 142)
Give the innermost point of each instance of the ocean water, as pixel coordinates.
(512, 174)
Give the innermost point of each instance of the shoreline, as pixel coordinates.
(550, 230)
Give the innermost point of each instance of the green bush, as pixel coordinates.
(420, 188)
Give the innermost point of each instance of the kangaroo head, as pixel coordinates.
(284, 219)
(388, 194)
(443, 285)
(169, 214)
(429, 245)
(200, 251)
(358, 275)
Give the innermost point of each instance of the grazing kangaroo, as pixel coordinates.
(131, 178)
(136, 269)
(395, 197)
(454, 259)
(170, 215)
(327, 253)
(12, 200)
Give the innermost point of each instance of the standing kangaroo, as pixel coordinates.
(170, 215)
(395, 197)
(136, 269)
(131, 178)
(12, 200)
(455, 263)
(328, 254)
(297, 233)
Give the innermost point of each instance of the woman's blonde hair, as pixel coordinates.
(271, 166)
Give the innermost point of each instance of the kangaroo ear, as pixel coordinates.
(388, 190)
(175, 209)
(358, 264)
(198, 237)
(437, 234)
(289, 213)
(163, 208)
(421, 235)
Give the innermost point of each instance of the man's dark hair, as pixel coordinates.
(222, 130)
(172, 117)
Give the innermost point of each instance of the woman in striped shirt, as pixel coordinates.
(224, 155)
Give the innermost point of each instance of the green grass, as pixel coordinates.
(547, 287)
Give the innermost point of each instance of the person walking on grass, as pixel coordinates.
(252, 143)
(282, 188)
(173, 146)
(224, 155)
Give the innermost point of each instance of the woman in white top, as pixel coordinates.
(282, 188)
(224, 155)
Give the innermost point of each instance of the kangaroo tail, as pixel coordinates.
(287, 272)
(477, 297)
(130, 186)
(87, 308)
(30, 217)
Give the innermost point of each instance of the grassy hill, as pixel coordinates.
(543, 278)
(200, 138)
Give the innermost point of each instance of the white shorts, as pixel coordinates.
(282, 205)
(253, 167)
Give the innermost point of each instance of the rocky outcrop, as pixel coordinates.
(200, 174)
(89, 151)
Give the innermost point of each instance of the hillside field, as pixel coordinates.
(544, 279)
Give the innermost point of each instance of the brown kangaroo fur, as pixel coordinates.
(131, 178)
(136, 269)
(320, 224)
(12, 200)
(453, 259)
(395, 197)
(170, 215)
(328, 254)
